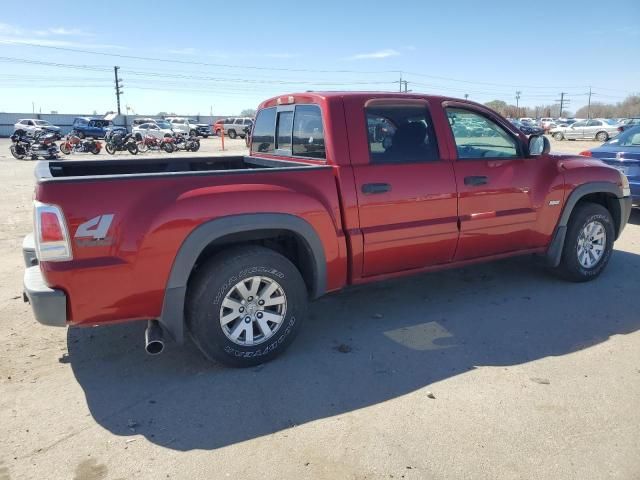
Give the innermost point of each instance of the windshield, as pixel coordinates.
(41, 122)
(628, 138)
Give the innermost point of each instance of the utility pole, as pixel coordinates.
(400, 83)
(562, 103)
(589, 106)
(466, 95)
(518, 92)
(118, 87)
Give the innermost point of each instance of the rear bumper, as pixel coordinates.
(48, 304)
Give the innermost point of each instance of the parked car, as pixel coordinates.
(623, 153)
(29, 126)
(91, 127)
(546, 122)
(230, 249)
(594, 129)
(152, 129)
(218, 124)
(628, 123)
(139, 121)
(235, 126)
(528, 128)
(188, 126)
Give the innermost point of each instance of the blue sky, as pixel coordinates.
(255, 50)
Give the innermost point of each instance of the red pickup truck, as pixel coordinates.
(338, 189)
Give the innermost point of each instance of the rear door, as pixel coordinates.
(405, 185)
(576, 131)
(495, 184)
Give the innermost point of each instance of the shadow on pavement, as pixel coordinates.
(403, 335)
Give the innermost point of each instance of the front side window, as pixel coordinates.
(477, 136)
(263, 140)
(594, 123)
(400, 132)
(308, 134)
(580, 124)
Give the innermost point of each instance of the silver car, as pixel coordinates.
(595, 129)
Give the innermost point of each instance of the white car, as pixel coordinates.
(152, 129)
(32, 125)
(547, 122)
(598, 129)
(188, 126)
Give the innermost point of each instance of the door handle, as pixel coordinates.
(476, 180)
(371, 188)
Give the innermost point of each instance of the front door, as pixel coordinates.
(406, 190)
(495, 184)
(576, 131)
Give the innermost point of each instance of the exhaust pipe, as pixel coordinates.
(153, 338)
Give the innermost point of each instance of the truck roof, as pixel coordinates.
(321, 95)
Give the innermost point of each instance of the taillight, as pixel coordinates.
(621, 129)
(52, 237)
(586, 153)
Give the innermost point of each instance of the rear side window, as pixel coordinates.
(283, 130)
(263, 140)
(308, 134)
(400, 133)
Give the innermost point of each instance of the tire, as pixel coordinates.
(216, 282)
(232, 134)
(195, 146)
(558, 136)
(132, 148)
(205, 136)
(16, 155)
(81, 135)
(96, 150)
(64, 148)
(602, 136)
(193, 133)
(111, 150)
(142, 147)
(168, 147)
(585, 215)
(138, 137)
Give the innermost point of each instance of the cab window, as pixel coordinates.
(308, 134)
(400, 132)
(263, 140)
(478, 137)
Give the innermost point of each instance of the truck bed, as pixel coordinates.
(56, 170)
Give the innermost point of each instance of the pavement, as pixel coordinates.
(493, 371)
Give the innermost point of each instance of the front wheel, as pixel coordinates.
(602, 136)
(96, 150)
(588, 243)
(16, 155)
(245, 306)
(232, 134)
(111, 149)
(558, 136)
(168, 147)
(65, 148)
(132, 148)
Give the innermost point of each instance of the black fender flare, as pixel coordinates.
(554, 252)
(172, 316)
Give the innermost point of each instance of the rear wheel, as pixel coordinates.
(81, 135)
(168, 147)
(65, 148)
(602, 136)
(588, 243)
(96, 149)
(558, 136)
(245, 306)
(132, 148)
(111, 149)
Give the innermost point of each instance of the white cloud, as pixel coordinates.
(58, 43)
(6, 29)
(281, 55)
(183, 51)
(386, 53)
(61, 31)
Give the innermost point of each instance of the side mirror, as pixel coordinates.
(538, 145)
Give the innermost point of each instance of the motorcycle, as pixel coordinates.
(40, 145)
(190, 144)
(73, 143)
(120, 141)
(150, 142)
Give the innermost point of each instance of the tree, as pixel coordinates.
(248, 112)
(629, 107)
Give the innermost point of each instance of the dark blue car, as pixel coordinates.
(623, 153)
